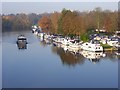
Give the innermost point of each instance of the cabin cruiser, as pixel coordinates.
(58, 40)
(113, 41)
(21, 42)
(93, 45)
(75, 44)
(65, 41)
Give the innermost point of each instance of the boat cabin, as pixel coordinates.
(21, 42)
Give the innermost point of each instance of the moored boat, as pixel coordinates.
(93, 45)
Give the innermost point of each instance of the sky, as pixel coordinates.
(42, 7)
(60, 0)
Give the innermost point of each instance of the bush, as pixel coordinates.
(84, 37)
(106, 46)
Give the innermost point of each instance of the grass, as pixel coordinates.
(106, 46)
(84, 38)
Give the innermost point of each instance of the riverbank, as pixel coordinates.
(107, 47)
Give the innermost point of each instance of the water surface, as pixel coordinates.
(48, 66)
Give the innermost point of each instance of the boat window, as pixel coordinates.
(22, 39)
(95, 42)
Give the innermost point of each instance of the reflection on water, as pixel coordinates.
(71, 56)
(117, 53)
(22, 46)
(93, 56)
(67, 57)
(112, 55)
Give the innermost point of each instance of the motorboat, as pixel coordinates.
(93, 45)
(75, 44)
(21, 42)
(113, 41)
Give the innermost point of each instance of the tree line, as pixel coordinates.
(20, 21)
(66, 22)
(78, 23)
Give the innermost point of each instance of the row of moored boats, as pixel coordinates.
(59, 40)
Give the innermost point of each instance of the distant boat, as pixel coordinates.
(21, 42)
(75, 44)
(113, 41)
(36, 29)
(93, 45)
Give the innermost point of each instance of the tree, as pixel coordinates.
(45, 24)
(54, 17)
(70, 23)
(21, 21)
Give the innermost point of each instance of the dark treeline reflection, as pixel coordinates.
(68, 58)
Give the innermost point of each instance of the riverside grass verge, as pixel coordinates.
(107, 47)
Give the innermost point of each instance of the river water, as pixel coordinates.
(43, 65)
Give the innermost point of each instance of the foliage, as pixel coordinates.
(54, 17)
(19, 21)
(67, 22)
(106, 46)
(84, 37)
(45, 24)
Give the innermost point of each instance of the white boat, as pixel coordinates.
(58, 40)
(92, 46)
(75, 44)
(113, 41)
(70, 49)
(65, 41)
(36, 29)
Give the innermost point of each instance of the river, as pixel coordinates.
(43, 65)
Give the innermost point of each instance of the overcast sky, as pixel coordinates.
(41, 7)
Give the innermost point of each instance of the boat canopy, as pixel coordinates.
(21, 37)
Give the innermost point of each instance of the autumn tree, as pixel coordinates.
(45, 24)
(54, 17)
(66, 22)
(70, 23)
